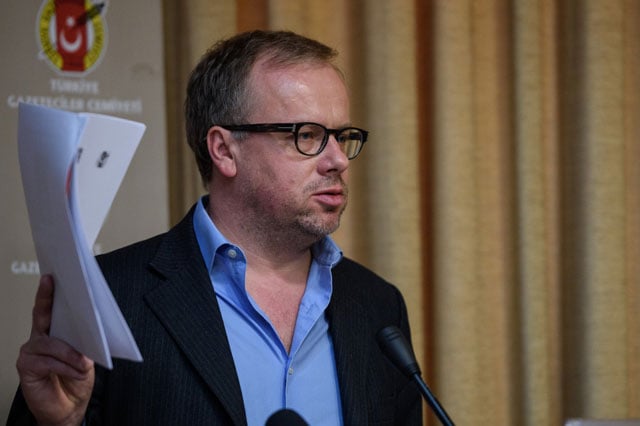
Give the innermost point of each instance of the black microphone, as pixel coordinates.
(286, 417)
(396, 347)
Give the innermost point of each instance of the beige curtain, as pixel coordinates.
(500, 189)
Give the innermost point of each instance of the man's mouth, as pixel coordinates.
(331, 197)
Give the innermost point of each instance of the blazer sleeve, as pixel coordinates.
(19, 415)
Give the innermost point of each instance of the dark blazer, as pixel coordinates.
(188, 376)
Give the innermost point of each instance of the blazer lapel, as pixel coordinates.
(186, 305)
(348, 328)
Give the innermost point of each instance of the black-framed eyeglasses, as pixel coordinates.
(311, 138)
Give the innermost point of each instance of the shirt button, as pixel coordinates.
(290, 371)
(232, 253)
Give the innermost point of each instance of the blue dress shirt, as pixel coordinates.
(305, 379)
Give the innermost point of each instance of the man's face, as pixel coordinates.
(284, 191)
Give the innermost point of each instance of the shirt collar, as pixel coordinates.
(326, 252)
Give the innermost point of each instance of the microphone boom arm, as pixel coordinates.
(431, 399)
(396, 347)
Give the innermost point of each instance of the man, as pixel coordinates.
(246, 306)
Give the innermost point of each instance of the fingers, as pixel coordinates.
(41, 317)
(43, 355)
(56, 380)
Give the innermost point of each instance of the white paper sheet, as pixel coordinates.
(72, 165)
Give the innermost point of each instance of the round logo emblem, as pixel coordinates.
(72, 35)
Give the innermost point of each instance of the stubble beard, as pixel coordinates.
(314, 225)
(301, 229)
(319, 225)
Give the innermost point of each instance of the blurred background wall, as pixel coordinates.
(116, 68)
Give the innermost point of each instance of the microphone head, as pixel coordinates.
(396, 347)
(286, 417)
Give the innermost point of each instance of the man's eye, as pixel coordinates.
(306, 135)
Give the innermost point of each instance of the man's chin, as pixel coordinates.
(320, 228)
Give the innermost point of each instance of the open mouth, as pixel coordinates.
(332, 197)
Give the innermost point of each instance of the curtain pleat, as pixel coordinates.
(602, 287)
(631, 111)
(537, 341)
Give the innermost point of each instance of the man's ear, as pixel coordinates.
(219, 143)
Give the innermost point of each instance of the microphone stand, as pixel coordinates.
(438, 410)
(396, 347)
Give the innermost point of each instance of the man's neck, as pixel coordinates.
(276, 270)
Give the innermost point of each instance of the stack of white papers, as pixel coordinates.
(72, 165)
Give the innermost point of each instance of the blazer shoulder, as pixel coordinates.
(355, 282)
(145, 248)
(359, 276)
(179, 244)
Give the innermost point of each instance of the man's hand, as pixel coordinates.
(56, 380)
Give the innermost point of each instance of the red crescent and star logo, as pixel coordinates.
(71, 34)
